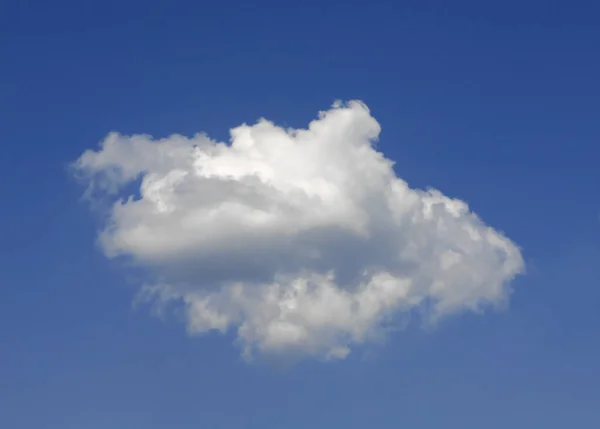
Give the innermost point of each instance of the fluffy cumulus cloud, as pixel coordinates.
(303, 241)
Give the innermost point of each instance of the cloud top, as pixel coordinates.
(303, 240)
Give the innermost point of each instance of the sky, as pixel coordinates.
(303, 215)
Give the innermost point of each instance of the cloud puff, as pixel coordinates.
(303, 240)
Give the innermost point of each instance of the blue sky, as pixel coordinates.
(495, 104)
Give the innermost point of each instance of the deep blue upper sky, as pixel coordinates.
(496, 103)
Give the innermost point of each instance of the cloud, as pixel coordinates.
(304, 241)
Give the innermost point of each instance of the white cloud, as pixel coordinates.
(305, 241)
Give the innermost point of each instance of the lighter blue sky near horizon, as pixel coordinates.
(495, 103)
